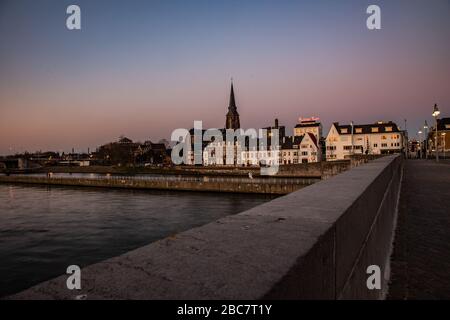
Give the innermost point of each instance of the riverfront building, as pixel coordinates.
(443, 136)
(309, 125)
(343, 141)
(302, 147)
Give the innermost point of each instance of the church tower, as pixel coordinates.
(232, 121)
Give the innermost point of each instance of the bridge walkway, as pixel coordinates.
(421, 258)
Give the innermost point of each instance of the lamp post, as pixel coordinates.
(435, 114)
(351, 123)
(425, 129)
(420, 144)
(443, 138)
(407, 142)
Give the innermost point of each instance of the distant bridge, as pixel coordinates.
(9, 163)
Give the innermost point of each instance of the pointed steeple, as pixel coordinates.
(232, 104)
(232, 119)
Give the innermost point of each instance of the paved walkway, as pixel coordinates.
(421, 257)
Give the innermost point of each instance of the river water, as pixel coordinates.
(45, 229)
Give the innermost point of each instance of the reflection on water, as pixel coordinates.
(45, 229)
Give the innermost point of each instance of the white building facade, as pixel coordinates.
(344, 141)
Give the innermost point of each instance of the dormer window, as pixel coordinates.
(388, 129)
(358, 130)
(344, 130)
(374, 129)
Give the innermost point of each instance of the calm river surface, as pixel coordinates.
(45, 229)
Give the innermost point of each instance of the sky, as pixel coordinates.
(144, 68)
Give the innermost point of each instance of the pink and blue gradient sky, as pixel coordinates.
(144, 68)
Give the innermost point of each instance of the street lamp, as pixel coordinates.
(420, 143)
(351, 123)
(435, 114)
(443, 137)
(425, 128)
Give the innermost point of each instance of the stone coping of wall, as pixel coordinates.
(243, 256)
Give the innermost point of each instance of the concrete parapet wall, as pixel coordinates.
(315, 243)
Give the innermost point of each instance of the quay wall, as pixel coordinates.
(205, 184)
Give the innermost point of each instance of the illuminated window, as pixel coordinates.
(358, 130)
(388, 129)
(374, 129)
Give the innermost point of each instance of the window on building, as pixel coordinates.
(358, 130)
(344, 130)
(375, 145)
(388, 129)
(374, 129)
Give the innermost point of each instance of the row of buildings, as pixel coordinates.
(123, 152)
(437, 140)
(127, 152)
(305, 145)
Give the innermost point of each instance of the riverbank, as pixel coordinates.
(274, 186)
(307, 170)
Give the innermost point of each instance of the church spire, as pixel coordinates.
(232, 100)
(232, 120)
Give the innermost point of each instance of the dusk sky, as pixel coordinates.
(144, 68)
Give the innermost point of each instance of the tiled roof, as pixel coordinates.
(313, 138)
(307, 125)
(290, 142)
(367, 128)
(444, 124)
